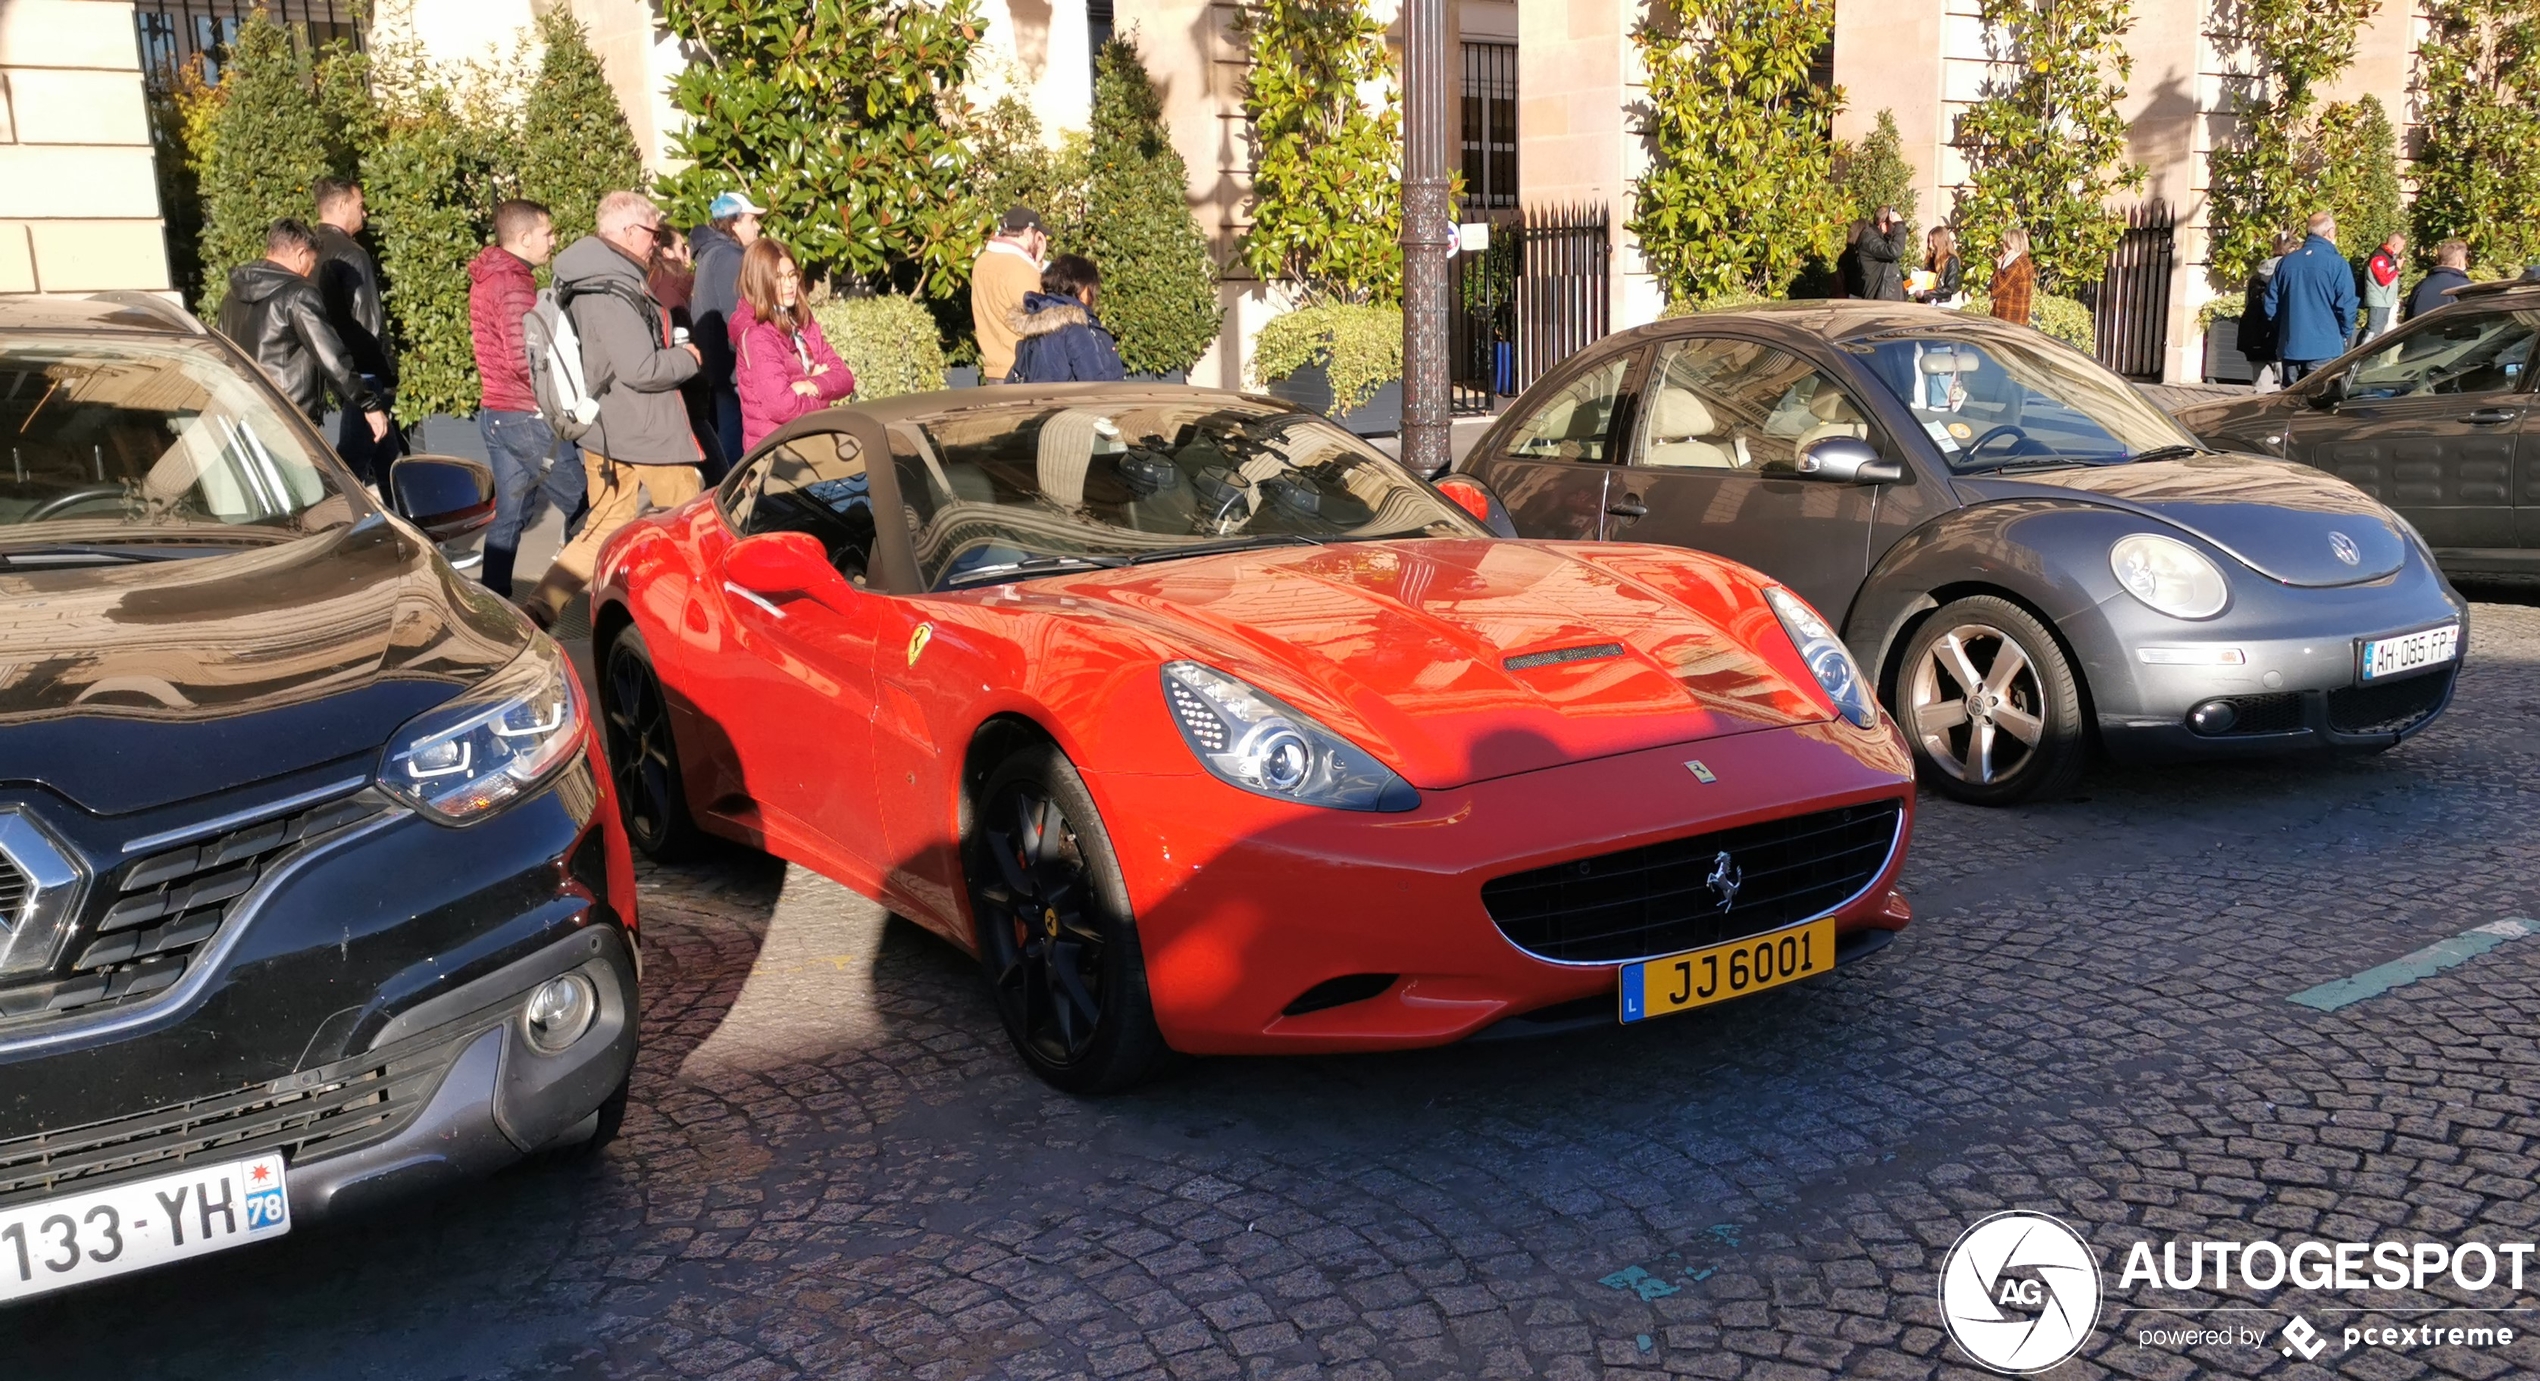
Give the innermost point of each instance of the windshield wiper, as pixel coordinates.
(2013, 467)
(2170, 453)
(58, 555)
(1036, 565)
(1267, 539)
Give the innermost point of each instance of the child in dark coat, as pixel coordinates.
(1060, 339)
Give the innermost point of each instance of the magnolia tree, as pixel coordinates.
(2045, 145)
(2263, 175)
(1326, 124)
(1740, 133)
(2478, 166)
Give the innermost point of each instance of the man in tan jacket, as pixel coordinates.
(1007, 268)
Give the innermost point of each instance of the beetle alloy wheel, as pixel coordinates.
(640, 748)
(1975, 706)
(1049, 975)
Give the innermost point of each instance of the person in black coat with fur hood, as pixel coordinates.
(1061, 340)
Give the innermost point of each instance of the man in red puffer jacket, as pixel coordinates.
(531, 468)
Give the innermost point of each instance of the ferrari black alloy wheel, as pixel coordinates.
(1055, 937)
(643, 760)
(1990, 704)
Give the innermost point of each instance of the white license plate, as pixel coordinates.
(2410, 651)
(78, 1238)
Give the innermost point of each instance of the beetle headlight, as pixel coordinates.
(461, 761)
(2168, 575)
(1249, 740)
(1827, 658)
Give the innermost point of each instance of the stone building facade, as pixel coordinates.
(79, 199)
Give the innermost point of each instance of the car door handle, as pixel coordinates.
(1628, 506)
(2489, 417)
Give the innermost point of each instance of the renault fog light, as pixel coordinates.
(559, 1012)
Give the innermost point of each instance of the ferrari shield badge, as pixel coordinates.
(1701, 773)
(924, 634)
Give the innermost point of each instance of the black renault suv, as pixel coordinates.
(313, 890)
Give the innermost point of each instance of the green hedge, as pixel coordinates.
(2061, 317)
(889, 342)
(1360, 348)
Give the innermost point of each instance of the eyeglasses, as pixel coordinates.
(789, 275)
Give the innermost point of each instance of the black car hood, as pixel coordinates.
(125, 688)
(2282, 520)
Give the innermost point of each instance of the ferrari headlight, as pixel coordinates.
(1827, 658)
(1252, 741)
(2168, 575)
(461, 761)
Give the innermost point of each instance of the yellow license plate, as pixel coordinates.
(1700, 977)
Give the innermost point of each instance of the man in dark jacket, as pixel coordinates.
(1058, 338)
(2257, 324)
(641, 440)
(348, 283)
(2313, 302)
(273, 313)
(2451, 273)
(716, 247)
(531, 467)
(1881, 249)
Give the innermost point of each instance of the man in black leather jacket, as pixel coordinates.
(273, 312)
(348, 283)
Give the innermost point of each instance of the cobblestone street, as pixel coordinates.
(834, 1167)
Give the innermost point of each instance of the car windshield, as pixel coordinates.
(1001, 493)
(147, 447)
(2000, 401)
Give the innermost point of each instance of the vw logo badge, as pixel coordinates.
(1726, 877)
(2344, 546)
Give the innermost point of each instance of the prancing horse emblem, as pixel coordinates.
(2344, 546)
(1726, 877)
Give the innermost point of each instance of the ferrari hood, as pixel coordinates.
(2285, 521)
(1463, 660)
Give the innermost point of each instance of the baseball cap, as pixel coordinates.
(733, 204)
(1019, 219)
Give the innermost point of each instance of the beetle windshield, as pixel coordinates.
(1001, 493)
(128, 444)
(1995, 401)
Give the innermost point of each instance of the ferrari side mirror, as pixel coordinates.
(786, 564)
(1847, 460)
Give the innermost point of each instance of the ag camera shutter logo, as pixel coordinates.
(2019, 1292)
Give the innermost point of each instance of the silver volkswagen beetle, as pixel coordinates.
(2024, 550)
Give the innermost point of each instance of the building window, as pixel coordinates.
(1490, 125)
(173, 32)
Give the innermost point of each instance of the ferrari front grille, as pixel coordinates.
(1703, 890)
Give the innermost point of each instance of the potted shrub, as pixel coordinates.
(889, 342)
(1342, 361)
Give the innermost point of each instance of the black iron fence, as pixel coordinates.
(173, 33)
(2132, 302)
(1536, 296)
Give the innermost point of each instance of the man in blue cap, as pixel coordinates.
(717, 245)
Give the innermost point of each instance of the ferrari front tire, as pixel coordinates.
(1990, 704)
(1056, 940)
(643, 757)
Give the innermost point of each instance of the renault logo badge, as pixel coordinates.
(2344, 546)
(1701, 773)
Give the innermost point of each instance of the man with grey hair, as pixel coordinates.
(630, 363)
(2312, 301)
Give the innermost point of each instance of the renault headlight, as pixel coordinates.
(491, 746)
(1827, 658)
(1252, 741)
(2168, 575)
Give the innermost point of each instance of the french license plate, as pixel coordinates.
(1700, 977)
(78, 1238)
(2410, 651)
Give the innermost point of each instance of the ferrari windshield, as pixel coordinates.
(2000, 401)
(135, 444)
(1002, 493)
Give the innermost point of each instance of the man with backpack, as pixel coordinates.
(637, 441)
(532, 466)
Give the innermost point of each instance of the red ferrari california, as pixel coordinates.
(1208, 728)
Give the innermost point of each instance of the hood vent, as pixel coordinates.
(1591, 652)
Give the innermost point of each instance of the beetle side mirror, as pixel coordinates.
(446, 496)
(1847, 460)
(787, 564)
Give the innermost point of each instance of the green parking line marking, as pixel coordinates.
(2408, 968)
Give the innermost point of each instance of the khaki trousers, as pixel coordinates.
(618, 491)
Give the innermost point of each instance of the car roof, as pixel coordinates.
(915, 407)
(2517, 292)
(1840, 319)
(117, 313)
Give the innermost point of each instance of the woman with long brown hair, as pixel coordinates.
(1948, 273)
(781, 362)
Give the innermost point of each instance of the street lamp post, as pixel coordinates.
(1427, 228)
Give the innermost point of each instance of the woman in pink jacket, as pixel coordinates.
(781, 363)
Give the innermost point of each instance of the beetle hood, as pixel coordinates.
(2287, 522)
(1460, 660)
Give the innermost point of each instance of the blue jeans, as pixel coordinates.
(531, 470)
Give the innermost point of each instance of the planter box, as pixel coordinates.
(2224, 364)
(1176, 376)
(1311, 388)
(962, 376)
